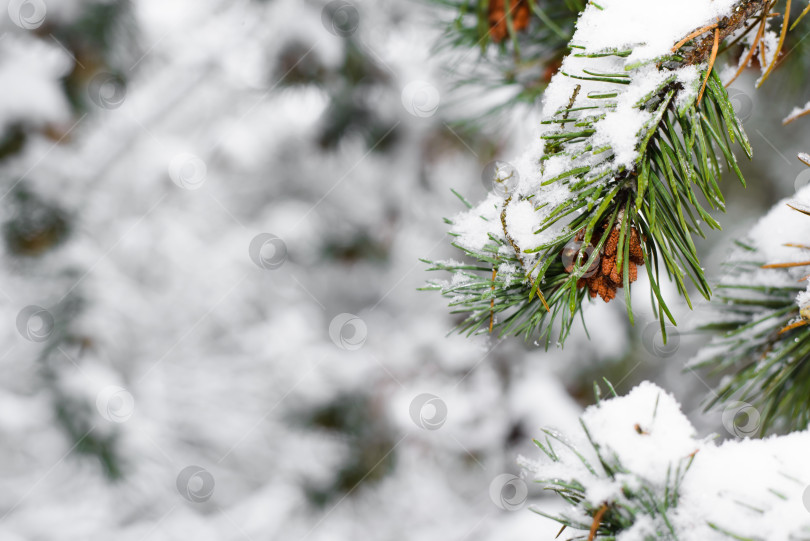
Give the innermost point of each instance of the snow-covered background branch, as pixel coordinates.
(212, 218)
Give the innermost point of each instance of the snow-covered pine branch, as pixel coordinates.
(760, 314)
(638, 471)
(634, 134)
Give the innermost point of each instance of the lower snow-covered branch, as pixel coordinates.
(639, 472)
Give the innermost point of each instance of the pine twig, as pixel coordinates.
(756, 43)
(693, 35)
(779, 45)
(597, 520)
(801, 16)
(711, 63)
(492, 303)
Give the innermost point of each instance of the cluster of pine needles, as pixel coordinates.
(667, 196)
(763, 340)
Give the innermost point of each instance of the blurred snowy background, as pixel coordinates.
(212, 218)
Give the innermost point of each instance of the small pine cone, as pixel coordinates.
(498, 33)
(597, 286)
(498, 26)
(608, 293)
(612, 242)
(521, 16)
(633, 271)
(607, 265)
(594, 284)
(496, 10)
(582, 282)
(497, 21)
(616, 276)
(636, 253)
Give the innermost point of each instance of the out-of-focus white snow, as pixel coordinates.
(223, 360)
(30, 73)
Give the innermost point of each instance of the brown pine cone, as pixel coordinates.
(522, 15)
(608, 278)
(606, 290)
(607, 264)
(616, 276)
(636, 253)
(594, 283)
(612, 243)
(497, 23)
(498, 27)
(600, 285)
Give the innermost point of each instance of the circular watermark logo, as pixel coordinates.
(741, 419)
(571, 251)
(653, 340)
(428, 411)
(268, 251)
(107, 90)
(35, 323)
(348, 331)
(421, 99)
(500, 177)
(27, 14)
(115, 404)
(340, 18)
(195, 483)
(188, 171)
(802, 179)
(508, 492)
(742, 103)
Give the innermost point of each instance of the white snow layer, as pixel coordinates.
(772, 236)
(650, 28)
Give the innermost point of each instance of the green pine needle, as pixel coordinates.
(763, 367)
